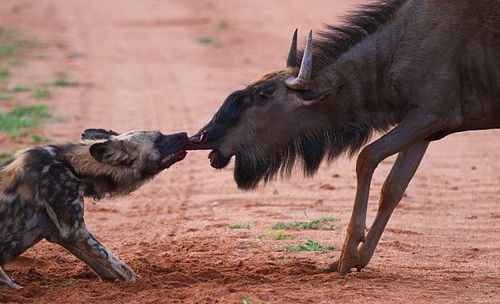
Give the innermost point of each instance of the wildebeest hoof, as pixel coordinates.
(345, 265)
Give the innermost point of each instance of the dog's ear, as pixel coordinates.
(114, 152)
(96, 134)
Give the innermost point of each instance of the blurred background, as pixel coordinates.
(68, 65)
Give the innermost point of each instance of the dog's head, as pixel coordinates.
(147, 152)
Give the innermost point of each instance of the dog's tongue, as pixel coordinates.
(171, 159)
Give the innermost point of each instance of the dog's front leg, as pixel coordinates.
(78, 240)
(99, 258)
(85, 247)
(64, 206)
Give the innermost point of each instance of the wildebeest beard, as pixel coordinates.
(253, 165)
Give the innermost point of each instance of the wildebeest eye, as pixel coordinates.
(265, 92)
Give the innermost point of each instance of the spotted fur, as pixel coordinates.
(42, 191)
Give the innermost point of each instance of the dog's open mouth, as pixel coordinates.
(172, 158)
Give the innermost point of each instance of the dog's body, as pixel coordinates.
(42, 190)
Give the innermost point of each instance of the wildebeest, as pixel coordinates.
(414, 70)
(42, 190)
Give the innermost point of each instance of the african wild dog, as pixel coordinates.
(42, 190)
(422, 69)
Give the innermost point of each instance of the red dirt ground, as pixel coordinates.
(142, 66)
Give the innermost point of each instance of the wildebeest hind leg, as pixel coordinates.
(414, 128)
(4, 279)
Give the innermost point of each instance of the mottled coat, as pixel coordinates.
(42, 191)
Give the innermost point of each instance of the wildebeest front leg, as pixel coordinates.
(392, 192)
(414, 128)
(4, 279)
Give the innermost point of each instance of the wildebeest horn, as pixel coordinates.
(291, 61)
(304, 76)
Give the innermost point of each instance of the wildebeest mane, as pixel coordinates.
(309, 150)
(336, 40)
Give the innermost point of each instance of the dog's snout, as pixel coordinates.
(174, 140)
(181, 136)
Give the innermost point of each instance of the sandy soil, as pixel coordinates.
(142, 66)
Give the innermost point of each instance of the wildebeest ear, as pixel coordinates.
(94, 134)
(311, 96)
(114, 152)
